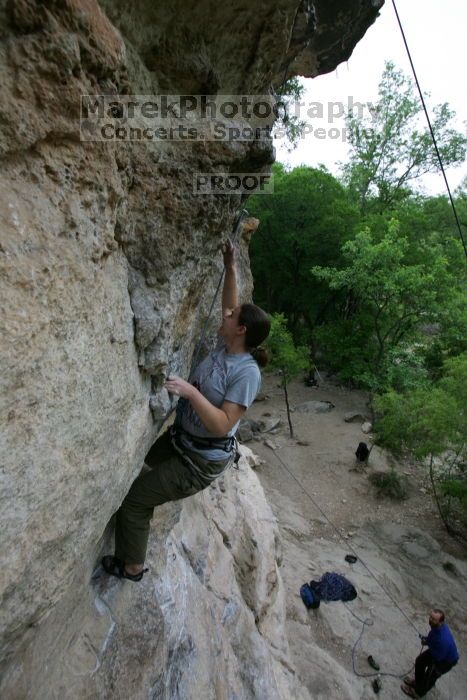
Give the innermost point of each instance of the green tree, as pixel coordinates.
(390, 148)
(288, 359)
(288, 125)
(388, 296)
(430, 423)
(304, 223)
(428, 222)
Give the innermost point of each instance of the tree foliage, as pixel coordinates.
(303, 224)
(388, 295)
(392, 147)
(288, 125)
(430, 423)
(370, 275)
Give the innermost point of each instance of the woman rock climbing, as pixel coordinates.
(201, 445)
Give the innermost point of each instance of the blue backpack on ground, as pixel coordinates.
(309, 596)
(332, 586)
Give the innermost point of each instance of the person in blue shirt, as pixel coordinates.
(435, 661)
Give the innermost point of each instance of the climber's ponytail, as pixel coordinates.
(258, 325)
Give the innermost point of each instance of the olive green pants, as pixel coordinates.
(168, 479)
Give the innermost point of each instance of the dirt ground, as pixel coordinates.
(344, 492)
(326, 509)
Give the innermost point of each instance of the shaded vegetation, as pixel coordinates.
(285, 357)
(368, 278)
(390, 485)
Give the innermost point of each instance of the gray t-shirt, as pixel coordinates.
(222, 376)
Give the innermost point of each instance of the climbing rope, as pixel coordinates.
(347, 545)
(365, 622)
(369, 623)
(200, 343)
(422, 99)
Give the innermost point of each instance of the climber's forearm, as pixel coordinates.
(217, 421)
(230, 293)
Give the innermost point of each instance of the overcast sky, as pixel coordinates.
(435, 32)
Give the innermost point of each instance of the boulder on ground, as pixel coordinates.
(380, 460)
(268, 424)
(271, 444)
(354, 417)
(315, 407)
(249, 428)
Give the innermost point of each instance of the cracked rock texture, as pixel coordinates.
(108, 265)
(206, 622)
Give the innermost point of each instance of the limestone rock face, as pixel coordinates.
(108, 266)
(206, 622)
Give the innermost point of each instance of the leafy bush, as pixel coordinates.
(431, 424)
(454, 503)
(390, 485)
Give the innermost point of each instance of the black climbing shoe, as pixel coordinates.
(116, 567)
(377, 685)
(373, 663)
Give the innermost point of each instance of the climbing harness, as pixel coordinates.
(180, 449)
(227, 444)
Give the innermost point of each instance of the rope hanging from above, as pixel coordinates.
(422, 99)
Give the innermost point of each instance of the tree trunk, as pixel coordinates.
(288, 407)
(435, 494)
